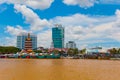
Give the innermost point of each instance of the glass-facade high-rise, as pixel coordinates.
(21, 40)
(58, 36)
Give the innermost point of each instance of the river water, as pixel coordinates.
(59, 69)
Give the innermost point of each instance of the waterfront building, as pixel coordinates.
(58, 36)
(96, 50)
(21, 39)
(71, 44)
(28, 44)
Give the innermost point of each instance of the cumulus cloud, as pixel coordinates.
(81, 3)
(45, 38)
(10, 41)
(89, 3)
(35, 22)
(76, 19)
(15, 30)
(35, 4)
(31, 18)
(109, 1)
(84, 28)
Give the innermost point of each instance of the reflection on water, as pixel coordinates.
(58, 69)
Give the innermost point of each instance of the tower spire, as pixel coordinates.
(28, 38)
(28, 35)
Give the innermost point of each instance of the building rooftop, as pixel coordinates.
(26, 34)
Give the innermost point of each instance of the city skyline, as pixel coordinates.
(89, 23)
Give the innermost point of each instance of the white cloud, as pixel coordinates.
(36, 24)
(89, 3)
(32, 18)
(81, 3)
(115, 36)
(15, 30)
(109, 1)
(10, 41)
(76, 19)
(45, 38)
(2, 1)
(82, 28)
(35, 4)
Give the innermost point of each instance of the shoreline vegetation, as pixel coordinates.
(13, 52)
(54, 56)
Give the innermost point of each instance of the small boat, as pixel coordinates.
(41, 56)
(24, 56)
(3, 56)
(53, 56)
(13, 55)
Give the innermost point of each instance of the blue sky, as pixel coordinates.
(89, 23)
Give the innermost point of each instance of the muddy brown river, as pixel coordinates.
(59, 69)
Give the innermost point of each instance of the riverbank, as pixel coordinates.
(58, 56)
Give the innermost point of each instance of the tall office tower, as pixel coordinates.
(58, 36)
(21, 38)
(71, 44)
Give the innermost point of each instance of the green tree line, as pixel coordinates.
(8, 49)
(114, 51)
(72, 51)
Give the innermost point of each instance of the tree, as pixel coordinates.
(72, 51)
(46, 50)
(118, 51)
(9, 49)
(37, 51)
(55, 51)
(76, 51)
(113, 51)
(82, 51)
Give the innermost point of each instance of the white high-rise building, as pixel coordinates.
(71, 44)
